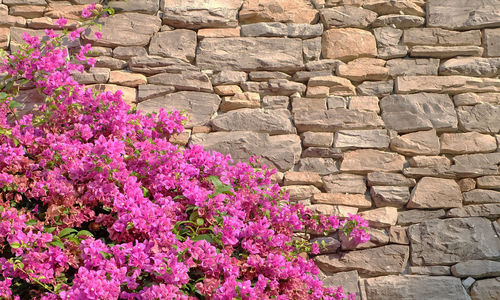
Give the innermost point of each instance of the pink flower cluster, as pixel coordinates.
(96, 203)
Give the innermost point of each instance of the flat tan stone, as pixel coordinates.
(441, 37)
(467, 184)
(318, 91)
(127, 78)
(489, 182)
(317, 139)
(381, 217)
(416, 143)
(182, 138)
(366, 103)
(303, 178)
(435, 193)
(300, 192)
(368, 160)
(362, 69)
(27, 11)
(356, 200)
(345, 183)
(446, 84)
(285, 11)
(383, 7)
(129, 94)
(240, 100)
(227, 90)
(340, 211)
(469, 142)
(218, 32)
(4, 38)
(338, 86)
(347, 44)
(430, 161)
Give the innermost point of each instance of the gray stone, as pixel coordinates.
(435, 193)
(430, 270)
(469, 142)
(151, 65)
(468, 282)
(229, 77)
(304, 76)
(311, 49)
(324, 64)
(347, 16)
(471, 66)
(389, 179)
(275, 29)
(300, 192)
(336, 102)
(441, 37)
(266, 75)
(479, 210)
(414, 287)
(327, 244)
(480, 196)
(187, 80)
(476, 269)
(199, 106)
(280, 151)
(394, 196)
(345, 183)
(445, 51)
(452, 84)
(273, 122)
(492, 42)
(148, 91)
(127, 29)
(180, 43)
(322, 152)
(481, 118)
(93, 75)
(423, 111)
(24, 2)
(430, 161)
(280, 87)
(387, 36)
(336, 119)
(375, 88)
(399, 21)
(141, 6)
(463, 14)
(489, 182)
(128, 52)
(347, 280)
(446, 242)
(418, 66)
(322, 166)
(414, 216)
(352, 139)
(378, 237)
(383, 260)
(250, 54)
(416, 143)
(473, 165)
(486, 289)
(406, 7)
(275, 102)
(317, 139)
(196, 14)
(110, 63)
(391, 52)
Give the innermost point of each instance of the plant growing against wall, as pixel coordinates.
(95, 203)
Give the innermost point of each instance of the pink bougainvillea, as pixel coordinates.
(96, 203)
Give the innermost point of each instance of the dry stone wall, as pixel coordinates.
(387, 108)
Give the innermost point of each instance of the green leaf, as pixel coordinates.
(67, 231)
(31, 222)
(84, 232)
(8, 86)
(49, 229)
(57, 243)
(207, 237)
(220, 188)
(107, 256)
(200, 221)
(3, 95)
(14, 104)
(15, 245)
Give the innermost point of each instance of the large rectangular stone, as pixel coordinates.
(492, 42)
(440, 37)
(335, 119)
(463, 14)
(250, 54)
(446, 84)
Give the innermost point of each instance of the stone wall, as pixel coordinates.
(390, 109)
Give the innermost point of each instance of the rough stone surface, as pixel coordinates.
(355, 200)
(345, 183)
(399, 21)
(322, 166)
(486, 289)
(453, 84)
(367, 160)
(245, 54)
(348, 281)
(491, 42)
(423, 111)
(471, 66)
(481, 118)
(476, 269)
(269, 121)
(281, 151)
(200, 105)
(470, 142)
(352, 139)
(276, 29)
(186, 80)
(462, 14)
(416, 143)
(381, 217)
(419, 66)
(348, 43)
(196, 14)
(417, 216)
(435, 193)
(384, 260)
(347, 16)
(286, 11)
(414, 287)
(480, 196)
(446, 242)
(335, 119)
(389, 179)
(180, 43)
(363, 69)
(489, 182)
(395, 196)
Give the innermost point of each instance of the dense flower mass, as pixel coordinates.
(96, 203)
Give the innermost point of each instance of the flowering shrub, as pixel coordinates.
(95, 203)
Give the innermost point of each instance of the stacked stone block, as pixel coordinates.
(386, 108)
